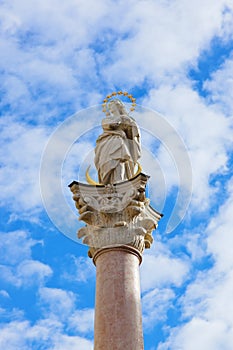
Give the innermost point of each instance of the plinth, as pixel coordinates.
(119, 224)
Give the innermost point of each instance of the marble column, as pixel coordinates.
(118, 319)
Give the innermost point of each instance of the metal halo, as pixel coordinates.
(115, 93)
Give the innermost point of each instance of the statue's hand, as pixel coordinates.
(111, 123)
(125, 119)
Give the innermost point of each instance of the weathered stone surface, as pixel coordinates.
(115, 214)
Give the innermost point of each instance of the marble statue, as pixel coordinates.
(118, 148)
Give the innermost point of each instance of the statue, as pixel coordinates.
(118, 148)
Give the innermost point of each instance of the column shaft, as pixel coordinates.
(118, 320)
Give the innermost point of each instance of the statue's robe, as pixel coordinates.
(117, 149)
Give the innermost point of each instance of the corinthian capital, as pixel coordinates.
(115, 214)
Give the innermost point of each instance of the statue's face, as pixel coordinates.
(113, 107)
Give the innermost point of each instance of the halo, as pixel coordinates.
(93, 182)
(115, 93)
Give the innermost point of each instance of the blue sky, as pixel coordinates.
(57, 60)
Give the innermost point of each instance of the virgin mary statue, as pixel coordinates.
(118, 148)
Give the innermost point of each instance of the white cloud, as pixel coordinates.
(160, 269)
(155, 305)
(62, 53)
(82, 321)
(20, 153)
(12, 335)
(4, 294)
(206, 133)
(47, 55)
(26, 274)
(159, 39)
(31, 272)
(57, 302)
(201, 334)
(45, 334)
(220, 239)
(59, 326)
(72, 343)
(15, 246)
(59, 321)
(17, 266)
(82, 269)
(220, 86)
(207, 304)
(11, 314)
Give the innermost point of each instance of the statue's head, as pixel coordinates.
(116, 106)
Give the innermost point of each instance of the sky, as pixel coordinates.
(58, 61)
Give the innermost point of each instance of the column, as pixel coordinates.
(118, 319)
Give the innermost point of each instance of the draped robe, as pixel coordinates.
(117, 149)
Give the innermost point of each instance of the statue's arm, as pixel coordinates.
(132, 131)
(130, 127)
(111, 123)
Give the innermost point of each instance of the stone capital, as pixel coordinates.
(117, 214)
